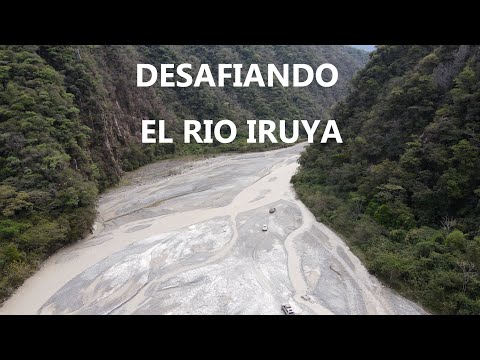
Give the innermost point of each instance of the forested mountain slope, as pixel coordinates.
(70, 124)
(404, 188)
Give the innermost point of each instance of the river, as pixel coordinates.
(185, 237)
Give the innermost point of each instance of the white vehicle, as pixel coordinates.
(265, 227)
(287, 310)
(305, 297)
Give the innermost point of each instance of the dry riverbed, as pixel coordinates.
(186, 238)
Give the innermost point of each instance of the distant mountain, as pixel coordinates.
(368, 48)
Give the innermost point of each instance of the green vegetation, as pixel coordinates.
(70, 125)
(404, 188)
(47, 178)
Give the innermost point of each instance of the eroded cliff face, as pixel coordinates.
(103, 81)
(445, 72)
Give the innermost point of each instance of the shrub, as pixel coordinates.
(456, 239)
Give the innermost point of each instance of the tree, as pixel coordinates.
(456, 239)
(469, 271)
(448, 223)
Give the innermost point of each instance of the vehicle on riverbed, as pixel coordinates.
(264, 227)
(287, 310)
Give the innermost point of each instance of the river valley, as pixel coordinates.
(186, 238)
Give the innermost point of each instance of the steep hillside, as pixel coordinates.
(404, 188)
(70, 124)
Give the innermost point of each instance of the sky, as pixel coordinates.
(368, 48)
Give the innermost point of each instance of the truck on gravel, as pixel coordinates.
(287, 310)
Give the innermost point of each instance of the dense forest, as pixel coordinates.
(70, 125)
(404, 188)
